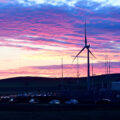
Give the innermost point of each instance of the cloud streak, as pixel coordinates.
(48, 71)
(70, 3)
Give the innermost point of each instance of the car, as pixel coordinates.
(103, 101)
(55, 101)
(11, 100)
(33, 101)
(72, 101)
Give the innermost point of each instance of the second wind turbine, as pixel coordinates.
(86, 46)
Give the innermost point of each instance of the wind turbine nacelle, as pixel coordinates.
(87, 46)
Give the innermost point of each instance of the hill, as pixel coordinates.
(19, 84)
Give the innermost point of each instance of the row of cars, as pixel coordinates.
(36, 98)
(71, 101)
(75, 101)
(33, 100)
(56, 101)
(48, 100)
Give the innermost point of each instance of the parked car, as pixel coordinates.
(4, 99)
(33, 101)
(72, 101)
(103, 101)
(12, 100)
(55, 101)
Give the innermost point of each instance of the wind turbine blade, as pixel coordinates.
(92, 54)
(78, 54)
(85, 34)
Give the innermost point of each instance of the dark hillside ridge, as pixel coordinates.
(26, 84)
(113, 77)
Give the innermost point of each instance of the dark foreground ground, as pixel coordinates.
(61, 115)
(59, 112)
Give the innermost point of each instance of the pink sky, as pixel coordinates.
(35, 36)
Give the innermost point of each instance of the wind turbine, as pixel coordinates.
(86, 46)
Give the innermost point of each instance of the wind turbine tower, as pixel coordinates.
(86, 46)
